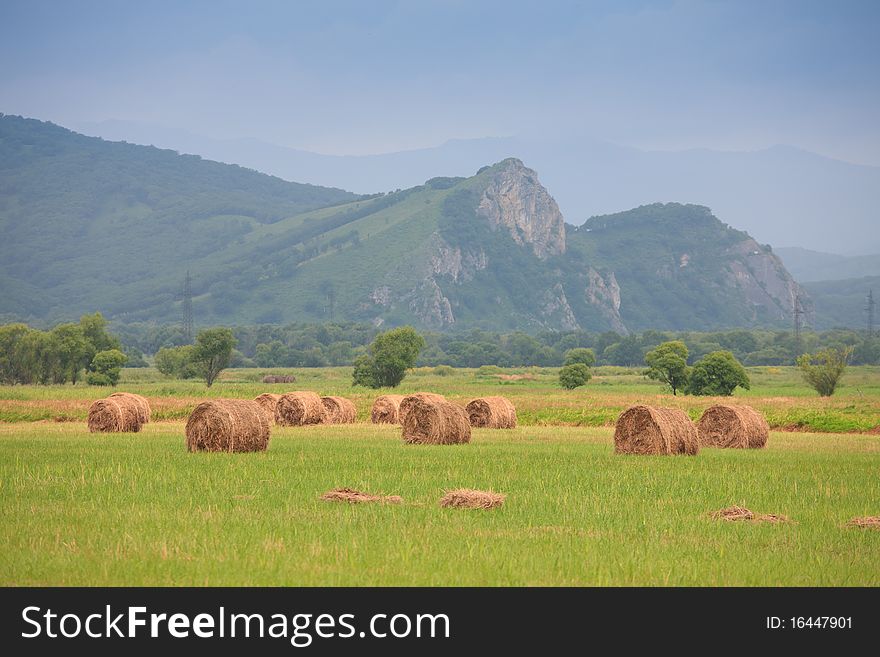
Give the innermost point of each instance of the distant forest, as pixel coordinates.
(319, 345)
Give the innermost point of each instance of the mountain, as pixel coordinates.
(93, 225)
(780, 195)
(809, 266)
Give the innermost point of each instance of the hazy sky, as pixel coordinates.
(371, 76)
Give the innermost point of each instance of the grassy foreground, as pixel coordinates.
(81, 509)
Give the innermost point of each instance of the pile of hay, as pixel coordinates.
(407, 402)
(279, 378)
(386, 409)
(436, 423)
(867, 522)
(339, 410)
(491, 413)
(142, 404)
(353, 496)
(115, 415)
(296, 409)
(647, 430)
(733, 426)
(734, 513)
(228, 425)
(268, 401)
(465, 498)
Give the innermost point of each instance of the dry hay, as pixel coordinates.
(296, 409)
(339, 410)
(436, 423)
(647, 430)
(466, 498)
(386, 409)
(733, 426)
(866, 522)
(268, 401)
(353, 496)
(407, 402)
(228, 425)
(492, 413)
(734, 513)
(142, 404)
(114, 415)
(279, 378)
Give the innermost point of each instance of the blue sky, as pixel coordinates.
(368, 77)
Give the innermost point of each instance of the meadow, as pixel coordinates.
(88, 509)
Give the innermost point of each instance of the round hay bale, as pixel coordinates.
(386, 409)
(409, 400)
(228, 425)
(436, 423)
(295, 409)
(279, 378)
(143, 406)
(268, 401)
(733, 426)
(114, 415)
(647, 430)
(339, 410)
(492, 413)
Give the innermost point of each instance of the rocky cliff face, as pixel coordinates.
(515, 201)
(762, 278)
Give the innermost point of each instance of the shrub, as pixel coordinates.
(444, 370)
(580, 355)
(108, 364)
(574, 375)
(98, 379)
(391, 354)
(825, 375)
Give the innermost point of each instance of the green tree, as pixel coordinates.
(106, 366)
(212, 351)
(580, 355)
(176, 362)
(824, 376)
(73, 349)
(390, 355)
(14, 359)
(574, 375)
(668, 363)
(717, 373)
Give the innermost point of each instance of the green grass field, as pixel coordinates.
(84, 509)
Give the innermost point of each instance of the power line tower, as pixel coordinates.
(870, 310)
(187, 308)
(798, 313)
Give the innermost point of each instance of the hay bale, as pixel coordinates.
(407, 402)
(733, 513)
(114, 415)
(339, 410)
(647, 430)
(296, 409)
(466, 498)
(143, 406)
(733, 426)
(353, 496)
(492, 413)
(386, 409)
(279, 378)
(228, 425)
(268, 401)
(436, 423)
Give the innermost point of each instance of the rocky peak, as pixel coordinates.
(514, 200)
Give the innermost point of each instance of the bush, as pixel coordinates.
(108, 364)
(718, 373)
(489, 370)
(668, 363)
(574, 375)
(98, 379)
(825, 375)
(443, 370)
(580, 355)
